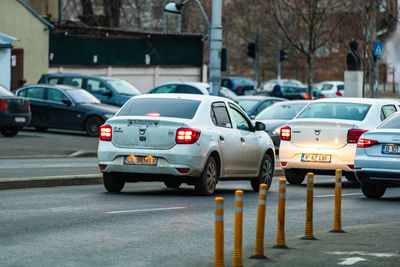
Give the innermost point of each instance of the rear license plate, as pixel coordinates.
(316, 158)
(140, 160)
(20, 119)
(390, 149)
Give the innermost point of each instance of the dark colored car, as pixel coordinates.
(15, 112)
(253, 105)
(275, 116)
(294, 92)
(65, 107)
(108, 90)
(239, 85)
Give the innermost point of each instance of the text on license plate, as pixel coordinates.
(390, 149)
(19, 119)
(316, 157)
(140, 160)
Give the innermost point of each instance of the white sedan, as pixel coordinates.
(377, 162)
(324, 135)
(184, 138)
(331, 88)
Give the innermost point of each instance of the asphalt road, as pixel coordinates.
(150, 225)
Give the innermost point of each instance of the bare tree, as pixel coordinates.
(112, 11)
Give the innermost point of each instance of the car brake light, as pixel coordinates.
(286, 133)
(323, 96)
(366, 143)
(105, 133)
(338, 93)
(29, 105)
(353, 168)
(353, 135)
(153, 114)
(239, 89)
(305, 96)
(283, 163)
(187, 136)
(3, 105)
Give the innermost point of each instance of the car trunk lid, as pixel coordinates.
(388, 141)
(17, 105)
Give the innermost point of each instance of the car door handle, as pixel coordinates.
(242, 139)
(221, 138)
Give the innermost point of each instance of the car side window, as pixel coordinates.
(387, 110)
(72, 81)
(241, 122)
(186, 89)
(53, 80)
(263, 105)
(95, 86)
(219, 115)
(56, 96)
(33, 93)
(169, 88)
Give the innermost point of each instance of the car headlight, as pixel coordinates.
(276, 131)
(108, 115)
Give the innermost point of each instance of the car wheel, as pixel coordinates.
(208, 180)
(41, 129)
(10, 132)
(265, 175)
(372, 190)
(113, 182)
(92, 126)
(172, 183)
(294, 177)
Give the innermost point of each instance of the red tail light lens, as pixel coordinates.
(286, 133)
(105, 133)
(239, 89)
(283, 163)
(153, 114)
(323, 96)
(29, 105)
(305, 96)
(3, 105)
(353, 135)
(338, 93)
(187, 136)
(366, 143)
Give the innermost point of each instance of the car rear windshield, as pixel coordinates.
(336, 110)
(160, 107)
(392, 122)
(280, 111)
(5, 92)
(247, 104)
(123, 87)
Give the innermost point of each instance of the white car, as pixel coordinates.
(331, 88)
(377, 162)
(184, 138)
(324, 135)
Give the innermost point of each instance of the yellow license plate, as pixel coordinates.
(140, 160)
(316, 158)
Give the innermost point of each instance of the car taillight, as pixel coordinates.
(338, 93)
(239, 89)
(29, 105)
(366, 143)
(105, 133)
(323, 96)
(305, 96)
(3, 105)
(187, 136)
(353, 135)
(286, 133)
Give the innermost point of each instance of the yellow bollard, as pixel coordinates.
(337, 223)
(280, 237)
(237, 250)
(219, 231)
(262, 202)
(309, 232)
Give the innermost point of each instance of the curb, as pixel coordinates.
(76, 154)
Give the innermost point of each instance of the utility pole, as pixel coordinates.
(256, 63)
(371, 39)
(279, 61)
(215, 47)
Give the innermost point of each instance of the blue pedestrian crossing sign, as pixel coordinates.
(378, 48)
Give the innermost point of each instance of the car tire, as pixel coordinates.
(41, 129)
(294, 177)
(372, 190)
(113, 182)
(172, 183)
(10, 132)
(208, 180)
(92, 126)
(265, 174)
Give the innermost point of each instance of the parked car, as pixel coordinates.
(275, 116)
(295, 93)
(65, 107)
(324, 135)
(15, 112)
(108, 90)
(253, 105)
(184, 138)
(331, 88)
(239, 85)
(197, 88)
(269, 85)
(377, 161)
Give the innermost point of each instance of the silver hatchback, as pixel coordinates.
(183, 138)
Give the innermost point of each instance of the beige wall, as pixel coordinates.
(33, 35)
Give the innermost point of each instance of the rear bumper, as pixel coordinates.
(8, 120)
(379, 176)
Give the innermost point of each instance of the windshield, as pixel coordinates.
(81, 96)
(225, 92)
(5, 92)
(292, 90)
(326, 87)
(123, 87)
(247, 104)
(281, 111)
(243, 81)
(335, 110)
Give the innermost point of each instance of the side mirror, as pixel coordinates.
(107, 92)
(260, 126)
(67, 102)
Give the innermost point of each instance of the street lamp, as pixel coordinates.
(214, 37)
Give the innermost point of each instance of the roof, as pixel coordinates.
(185, 96)
(59, 86)
(6, 40)
(356, 100)
(258, 97)
(34, 13)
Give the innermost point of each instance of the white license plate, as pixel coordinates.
(316, 158)
(20, 119)
(390, 149)
(140, 160)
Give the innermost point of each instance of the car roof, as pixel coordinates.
(355, 100)
(258, 97)
(293, 102)
(331, 82)
(62, 74)
(58, 86)
(185, 96)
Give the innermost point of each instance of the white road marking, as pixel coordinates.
(351, 261)
(143, 210)
(352, 194)
(361, 253)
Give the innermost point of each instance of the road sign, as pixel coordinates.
(378, 48)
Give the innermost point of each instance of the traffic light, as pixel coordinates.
(282, 55)
(251, 50)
